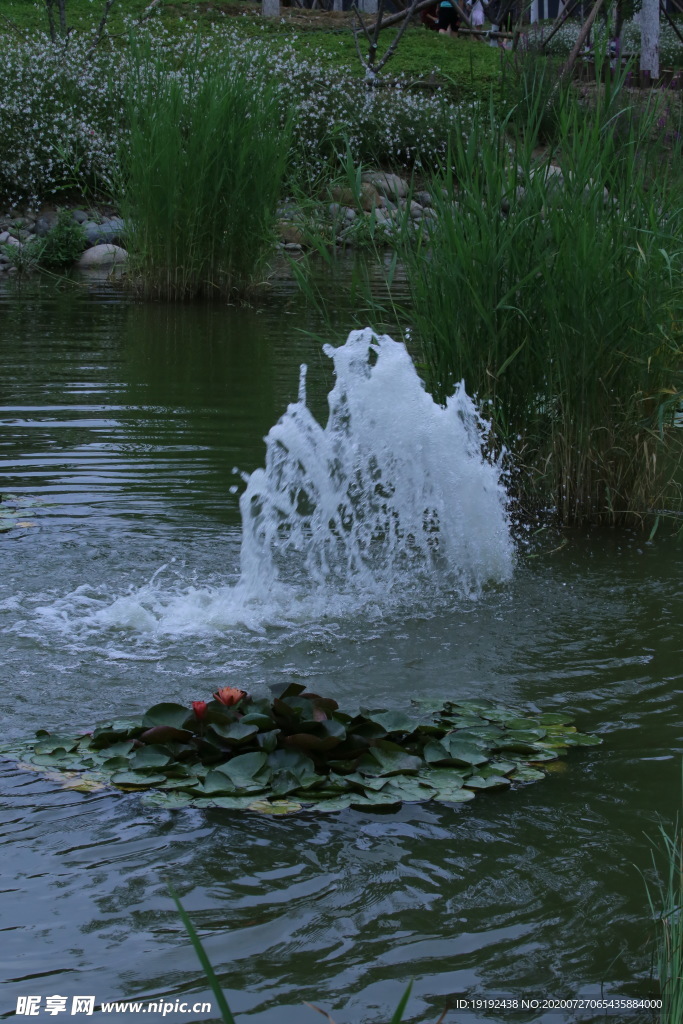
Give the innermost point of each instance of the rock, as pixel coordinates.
(388, 184)
(289, 233)
(102, 256)
(4, 237)
(80, 216)
(416, 210)
(368, 197)
(423, 198)
(109, 231)
(556, 186)
(11, 240)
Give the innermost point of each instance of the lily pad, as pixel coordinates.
(222, 755)
(173, 715)
(137, 780)
(149, 757)
(236, 733)
(275, 807)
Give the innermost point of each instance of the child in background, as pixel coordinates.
(449, 22)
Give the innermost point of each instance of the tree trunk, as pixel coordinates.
(649, 38)
(368, 6)
(270, 8)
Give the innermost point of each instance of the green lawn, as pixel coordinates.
(465, 64)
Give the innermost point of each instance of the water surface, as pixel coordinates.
(129, 420)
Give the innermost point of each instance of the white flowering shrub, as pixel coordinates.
(59, 120)
(670, 46)
(62, 123)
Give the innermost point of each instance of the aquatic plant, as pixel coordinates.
(299, 750)
(58, 249)
(554, 287)
(207, 967)
(200, 176)
(14, 508)
(666, 906)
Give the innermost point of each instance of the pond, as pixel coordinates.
(129, 421)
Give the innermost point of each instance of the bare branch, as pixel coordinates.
(12, 24)
(51, 19)
(355, 39)
(393, 19)
(583, 34)
(103, 21)
(61, 7)
(397, 39)
(559, 22)
(372, 52)
(673, 24)
(356, 11)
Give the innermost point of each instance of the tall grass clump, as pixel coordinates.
(666, 906)
(201, 174)
(554, 287)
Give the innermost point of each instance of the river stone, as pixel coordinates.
(388, 184)
(289, 233)
(4, 236)
(102, 256)
(556, 187)
(45, 223)
(382, 217)
(109, 231)
(423, 198)
(368, 197)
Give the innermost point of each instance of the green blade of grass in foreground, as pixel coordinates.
(203, 959)
(398, 1012)
(216, 986)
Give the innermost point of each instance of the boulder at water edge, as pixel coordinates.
(102, 256)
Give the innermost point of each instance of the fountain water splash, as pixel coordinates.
(393, 495)
(390, 508)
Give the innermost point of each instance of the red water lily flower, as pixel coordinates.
(229, 695)
(199, 707)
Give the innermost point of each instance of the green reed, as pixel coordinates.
(201, 175)
(560, 303)
(666, 906)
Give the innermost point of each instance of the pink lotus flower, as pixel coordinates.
(199, 707)
(229, 695)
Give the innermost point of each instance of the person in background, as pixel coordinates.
(449, 21)
(476, 13)
(429, 17)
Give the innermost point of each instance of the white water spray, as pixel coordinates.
(393, 496)
(389, 508)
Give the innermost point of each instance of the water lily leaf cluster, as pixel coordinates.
(13, 509)
(299, 750)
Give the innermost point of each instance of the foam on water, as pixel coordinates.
(390, 507)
